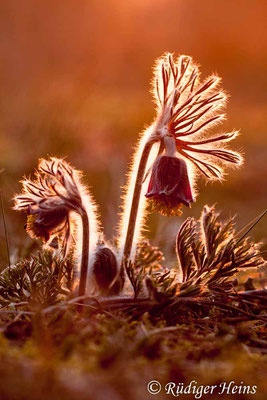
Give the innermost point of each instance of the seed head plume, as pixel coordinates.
(53, 201)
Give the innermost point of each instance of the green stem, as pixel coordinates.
(85, 254)
(135, 200)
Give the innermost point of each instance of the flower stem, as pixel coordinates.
(85, 254)
(135, 200)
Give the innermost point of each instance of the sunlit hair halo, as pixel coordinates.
(186, 109)
(170, 153)
(40, 199)
(50, 201)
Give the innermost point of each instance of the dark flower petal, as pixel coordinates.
(41, 223)
(169, 185)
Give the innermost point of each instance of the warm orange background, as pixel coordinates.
(74, 79)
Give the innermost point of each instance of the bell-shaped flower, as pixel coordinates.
(169, 187)
(44, 224)
(188, 109)
(49, 199)
(51, 202)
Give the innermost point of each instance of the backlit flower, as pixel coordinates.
(51, 202)
(169, 185)
(187, 109)
(44, 224)
(49, 199)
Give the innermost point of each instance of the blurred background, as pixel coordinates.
(75, 80)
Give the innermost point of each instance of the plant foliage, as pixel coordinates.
(210, 253)
(40, 280)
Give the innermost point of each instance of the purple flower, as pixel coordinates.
(169, 187)
(49, 199)
(42, 224)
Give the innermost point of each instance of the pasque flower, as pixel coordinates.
(187, 109)
(44, 224)
(51, 202)
(169, 186)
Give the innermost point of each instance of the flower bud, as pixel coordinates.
(105, 271)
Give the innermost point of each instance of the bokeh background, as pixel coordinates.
(75, 80)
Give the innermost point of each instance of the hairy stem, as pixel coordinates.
(135, 200)
(85, 254)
